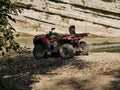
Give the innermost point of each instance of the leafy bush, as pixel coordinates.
(7, 41)
(22, 50)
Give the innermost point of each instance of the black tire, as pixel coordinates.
(38, 52)
(84, 48)
(66, 51)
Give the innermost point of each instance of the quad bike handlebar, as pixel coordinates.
(82, 35)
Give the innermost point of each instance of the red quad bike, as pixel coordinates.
(64, 45)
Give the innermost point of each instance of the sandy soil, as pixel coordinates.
(97, 71)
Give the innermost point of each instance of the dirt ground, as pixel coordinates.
(97, 71)
(100, 70)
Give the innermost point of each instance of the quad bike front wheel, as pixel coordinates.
(66, 51)
(84, 48)
(38, 52)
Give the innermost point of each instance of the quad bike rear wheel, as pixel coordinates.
(84, 48)
(66, 51)
(38, 52)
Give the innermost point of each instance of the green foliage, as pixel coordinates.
(7, 41)
(22, 50)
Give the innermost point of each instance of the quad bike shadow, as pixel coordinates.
(65, 46)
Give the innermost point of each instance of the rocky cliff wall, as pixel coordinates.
(91, 16)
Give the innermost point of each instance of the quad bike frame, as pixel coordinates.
(65, 46)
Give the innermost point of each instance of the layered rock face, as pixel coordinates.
(89, 16)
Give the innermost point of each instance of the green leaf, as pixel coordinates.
(3, 53)
(11, 18)
(1, 49)
(12, 28)
(4, 21)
